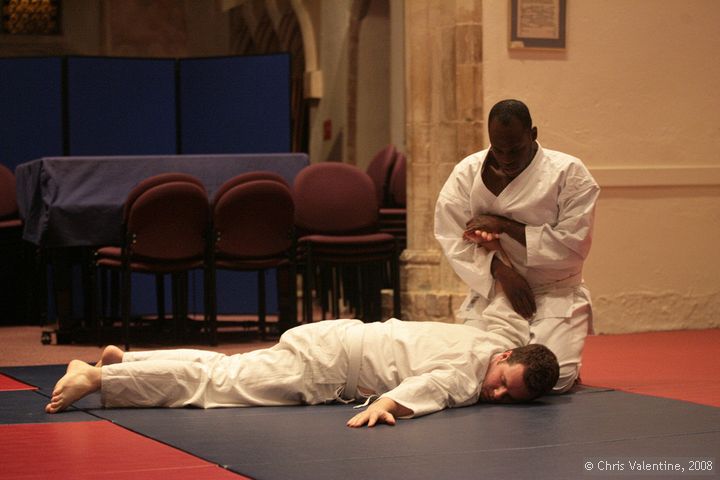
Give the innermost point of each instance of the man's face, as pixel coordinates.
(504, 382)
(511, 145)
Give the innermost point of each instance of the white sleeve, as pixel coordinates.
(452, 211)
(568, 242)
(434, 391)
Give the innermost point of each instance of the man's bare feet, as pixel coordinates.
(80, 380)
(110, 355)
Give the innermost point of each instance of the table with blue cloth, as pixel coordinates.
(68, 203)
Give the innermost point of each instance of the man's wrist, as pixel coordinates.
(514, 229)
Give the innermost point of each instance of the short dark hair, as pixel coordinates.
(541, 368)
(505, 110)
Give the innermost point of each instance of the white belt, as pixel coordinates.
(354, 338)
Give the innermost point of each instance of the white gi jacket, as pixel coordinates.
(427, 366)
(554, 196)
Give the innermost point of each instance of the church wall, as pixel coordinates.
(635, 96)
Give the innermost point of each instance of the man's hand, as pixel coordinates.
(487, 240)
(487, 223)
(495, 225)
(516, 288)
(382, 410)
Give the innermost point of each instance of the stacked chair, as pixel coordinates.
(336, 216)
(9, 219)
(393, 214)
(380, 170)
(15, 254)
(165, 222)
(388, 172)
(339, 225)
(252, 230)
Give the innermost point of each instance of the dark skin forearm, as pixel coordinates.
(484, 230)
(515, 287)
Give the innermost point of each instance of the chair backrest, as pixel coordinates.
(248, 177)
(335, 199)
(8, 199)
(155, 180)
(380, 170)
(254, 219)
(398, 185)
(168, 221)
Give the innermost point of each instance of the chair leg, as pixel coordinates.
(211, 305)
(160, 296)
(37, 299)
(307, 290)
(323, 292)
(180, 302)
(93, 303)
(336, 275)
(261, 304)
(395, 278)
(184, 306)
(374, 293)
(115, 295)
(287, 297)
(176, 302)
(125, 307)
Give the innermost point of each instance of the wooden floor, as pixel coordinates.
(20, 345)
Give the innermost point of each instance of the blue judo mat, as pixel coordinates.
(556, 437)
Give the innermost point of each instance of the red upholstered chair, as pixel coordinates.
(380, 170)
(249, 177)
(253, 230)
(165, 220)
(14, 253)
(393, 218)
(398, 182)
(336, 214)
(8, 201)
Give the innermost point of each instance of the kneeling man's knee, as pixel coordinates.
(568, 376)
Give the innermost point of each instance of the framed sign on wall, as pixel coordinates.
(537, 24)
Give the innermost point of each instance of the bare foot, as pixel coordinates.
(80, 380)
(110, 355)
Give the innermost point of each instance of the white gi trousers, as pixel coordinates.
(308, 365)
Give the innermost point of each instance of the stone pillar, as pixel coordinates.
(444, 123)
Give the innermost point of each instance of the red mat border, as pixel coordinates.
(96, 449)
(9, 384)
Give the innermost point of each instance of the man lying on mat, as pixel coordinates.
(409, 369)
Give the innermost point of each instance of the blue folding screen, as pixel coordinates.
(231, 105)
(235, 104)
(30, 109)
(121, 106)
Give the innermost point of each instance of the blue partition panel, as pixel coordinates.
(30, 109)
(235, 104)
(121, 106)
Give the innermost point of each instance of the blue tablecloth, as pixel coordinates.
(78, 201)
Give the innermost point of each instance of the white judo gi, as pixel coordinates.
(555, 198)
(424, 366)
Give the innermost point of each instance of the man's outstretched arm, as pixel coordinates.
(383, 410)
